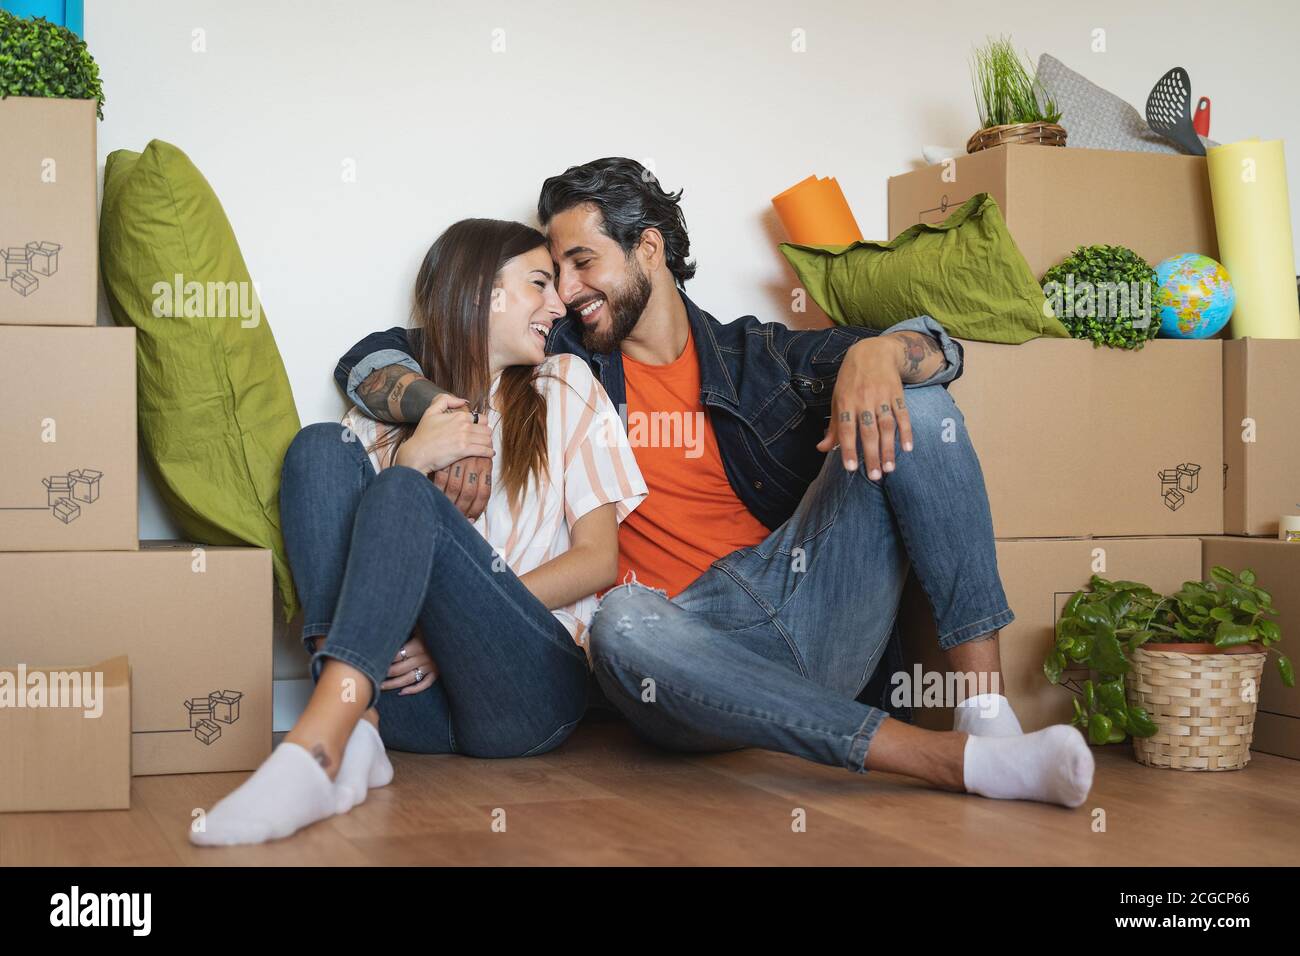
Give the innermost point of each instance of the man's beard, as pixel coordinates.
(625, 307)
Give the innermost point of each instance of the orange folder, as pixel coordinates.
(815, 213)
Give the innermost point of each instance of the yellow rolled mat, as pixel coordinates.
(1252, 215)
(815, 212)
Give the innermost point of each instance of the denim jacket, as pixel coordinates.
(767, 389)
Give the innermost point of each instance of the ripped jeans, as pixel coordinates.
(772, 644)
(372, 555)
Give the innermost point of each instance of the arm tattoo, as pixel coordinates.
(415, 399)
(396, 394)
(916, 349)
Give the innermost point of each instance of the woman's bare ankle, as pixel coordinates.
(328, 755)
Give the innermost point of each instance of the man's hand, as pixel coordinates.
(468, 483)
(412, 670)
(868, 404)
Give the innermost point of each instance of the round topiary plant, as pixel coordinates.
(1106, 294)
(39, 58)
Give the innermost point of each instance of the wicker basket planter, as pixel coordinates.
(1037, 134)
(1193, 692)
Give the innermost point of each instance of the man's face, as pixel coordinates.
(602, 287)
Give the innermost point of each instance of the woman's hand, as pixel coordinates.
(412, 670)
(445, 433)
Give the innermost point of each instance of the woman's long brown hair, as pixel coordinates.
(452, 307)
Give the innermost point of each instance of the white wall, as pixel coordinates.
(441, 127)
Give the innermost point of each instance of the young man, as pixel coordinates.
(767, 564)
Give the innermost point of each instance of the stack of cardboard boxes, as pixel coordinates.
(1150, 466)
(79, 591)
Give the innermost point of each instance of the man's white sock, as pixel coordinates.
(1053, 765)
(986, 715)
(285, 794)
(365, 766)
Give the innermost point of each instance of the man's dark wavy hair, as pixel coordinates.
(630, 200)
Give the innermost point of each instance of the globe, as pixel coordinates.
(1195, 296)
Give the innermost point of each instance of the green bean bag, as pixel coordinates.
(216, 411)
(966, 273)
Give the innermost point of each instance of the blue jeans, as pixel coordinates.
(772, 644)
(372, 554)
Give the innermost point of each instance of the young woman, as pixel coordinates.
(498, 667)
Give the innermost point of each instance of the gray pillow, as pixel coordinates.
(1097, 119)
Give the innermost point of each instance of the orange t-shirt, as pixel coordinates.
(692, 516)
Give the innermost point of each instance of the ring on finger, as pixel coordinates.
(419, 675)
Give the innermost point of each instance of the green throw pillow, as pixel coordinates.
(966, 273)
(216, 410)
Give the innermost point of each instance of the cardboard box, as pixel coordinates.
(1261, 394)
(225, 705)
(24, 283)
(1277, 570)
(1075, 440)
(49, 194)
(44, 257)
(1056, 199)
(85, 483)
(1038, 576)
(194, 620)
(65, 737)
(68, 434)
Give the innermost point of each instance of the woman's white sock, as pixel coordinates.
(986, 715)
(285, 794)
(365, 766)
(1053, 765)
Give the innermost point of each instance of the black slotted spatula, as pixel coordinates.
(1169, 111)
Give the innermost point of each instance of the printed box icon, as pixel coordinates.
(85, 483)
(200, 709)
(1173, 499)
(225, 705)
(24, 283)
(66, 510)
(207, 731)
(44, 257)
(1168, 479)
(16, 260)
(1188, 477)
(56, 487)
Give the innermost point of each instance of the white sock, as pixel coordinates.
(365, 766)
(285, 794)
(986, 715)
(1053, 765)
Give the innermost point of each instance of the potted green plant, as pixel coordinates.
(1013, 106)
(40, 58)
(1180, 674)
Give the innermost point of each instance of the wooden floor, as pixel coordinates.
(605, 798)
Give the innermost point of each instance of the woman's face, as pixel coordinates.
(524, 306)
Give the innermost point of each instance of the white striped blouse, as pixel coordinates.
(590, 464)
